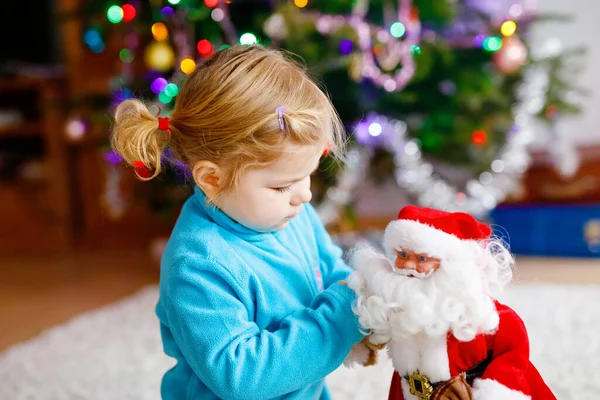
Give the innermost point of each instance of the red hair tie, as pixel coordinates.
(142, 170)
(163, 124)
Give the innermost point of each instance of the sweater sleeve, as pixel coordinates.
(226, 349)
(333, 266)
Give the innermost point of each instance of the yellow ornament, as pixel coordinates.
(187, 65)
(160, 56)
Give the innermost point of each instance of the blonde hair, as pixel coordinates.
(226, 114)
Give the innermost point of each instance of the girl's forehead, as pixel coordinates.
(295, 159)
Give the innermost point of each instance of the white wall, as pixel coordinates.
(584, 29)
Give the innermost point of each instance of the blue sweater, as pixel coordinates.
(251, 315)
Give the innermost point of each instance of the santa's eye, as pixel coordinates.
(403, 254)
(421, 258)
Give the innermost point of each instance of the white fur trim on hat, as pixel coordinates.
(425, 239)
(489, 389)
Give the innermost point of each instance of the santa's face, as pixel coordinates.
(415, 265)
(448, 296)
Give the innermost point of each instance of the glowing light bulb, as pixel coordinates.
(301, 3)
(187, 65)
(248, 39)
(160, 31)
(114, 14)
(397, 29)
(375, 129)
(508, 28)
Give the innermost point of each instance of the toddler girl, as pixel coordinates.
(250, 305)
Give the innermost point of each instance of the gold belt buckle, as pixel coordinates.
(420, 386)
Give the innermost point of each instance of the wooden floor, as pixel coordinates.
(39, 292)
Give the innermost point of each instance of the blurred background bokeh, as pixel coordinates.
(484, 106)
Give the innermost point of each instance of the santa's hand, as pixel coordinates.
(363, 353)
(456, 388)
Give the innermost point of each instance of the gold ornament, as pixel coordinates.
(160, 56)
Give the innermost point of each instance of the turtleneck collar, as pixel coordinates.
(220, 218)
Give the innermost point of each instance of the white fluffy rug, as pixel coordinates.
(115, 352)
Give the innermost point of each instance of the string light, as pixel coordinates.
(160, 31)
(128, 12)
(171, 90)
(158, 85)
(479, 138)
(174, 2)
(300, 3)
(508, 28)
(211, 3)
(114, 14)
(346, 46)
(167, 11)
(187, 65)
(415, 49)
(375, 129)
(92, 38)
(217, 15)
(164, 98)
(75, 129)
(205, 48)
(492, 43)
(397, 29)
(248, 39)
(126, 56)
(224, 46)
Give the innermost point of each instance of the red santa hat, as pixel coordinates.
(437, 233)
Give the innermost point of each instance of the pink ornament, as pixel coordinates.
(511, 57)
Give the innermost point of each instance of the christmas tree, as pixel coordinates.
(424, 86)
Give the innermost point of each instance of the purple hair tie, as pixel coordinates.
(280, 110)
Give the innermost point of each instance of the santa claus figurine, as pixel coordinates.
(431, 298)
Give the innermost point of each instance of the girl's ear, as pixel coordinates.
(207, 176)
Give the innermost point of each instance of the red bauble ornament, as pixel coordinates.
(205, 48)
(479, 138)
(128, 12)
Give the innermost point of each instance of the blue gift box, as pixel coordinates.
(549, 230)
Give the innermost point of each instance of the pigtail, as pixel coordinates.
(137, 138)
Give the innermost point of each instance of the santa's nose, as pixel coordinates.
(409, 264)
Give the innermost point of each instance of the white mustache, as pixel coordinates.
(413, 273)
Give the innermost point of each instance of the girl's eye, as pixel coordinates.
(403, 254)
(421, 258)
(282, 189)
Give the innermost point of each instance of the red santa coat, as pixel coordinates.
(509, 376)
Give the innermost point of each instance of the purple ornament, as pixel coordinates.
(478, 40)
(167, 12)
(346, 46)
(158, 85)
(113, 158)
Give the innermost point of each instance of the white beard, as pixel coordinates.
(393, 306)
